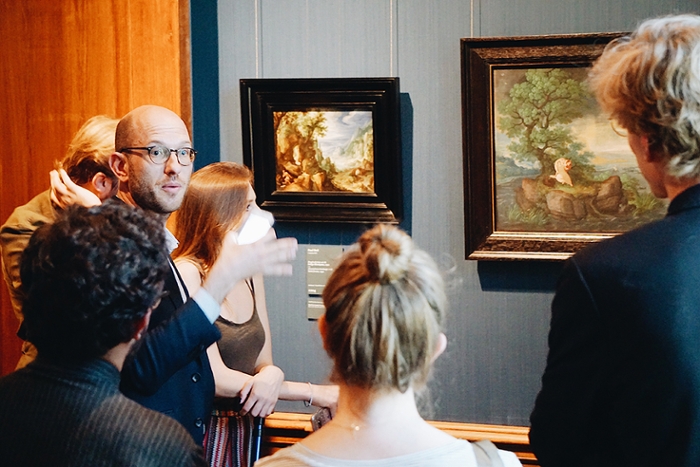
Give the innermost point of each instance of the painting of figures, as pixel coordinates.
(560, 166)
(324, 151)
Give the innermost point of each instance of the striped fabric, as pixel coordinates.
(73, 415)
(227, 442)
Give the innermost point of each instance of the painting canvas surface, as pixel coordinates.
(324, 151)
(560, 166)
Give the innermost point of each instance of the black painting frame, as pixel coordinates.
(261, 97)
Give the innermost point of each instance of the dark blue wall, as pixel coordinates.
(205, 81)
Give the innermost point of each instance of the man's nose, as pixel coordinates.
(172, 165)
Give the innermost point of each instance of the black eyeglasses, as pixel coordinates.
(160, 154)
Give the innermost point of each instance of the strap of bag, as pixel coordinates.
(487, 454)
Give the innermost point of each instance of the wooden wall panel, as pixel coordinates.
(65, 61)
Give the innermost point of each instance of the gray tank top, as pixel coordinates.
(240, 344)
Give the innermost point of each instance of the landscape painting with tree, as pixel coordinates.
(559, 165)
(324, 151)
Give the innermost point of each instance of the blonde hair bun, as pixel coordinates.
(387, 252)
(385, 304)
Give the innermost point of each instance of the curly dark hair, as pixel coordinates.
(90, 277)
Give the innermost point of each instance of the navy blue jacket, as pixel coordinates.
(622, 382)
(168, 370)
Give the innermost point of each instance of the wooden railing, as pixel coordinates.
(284, 429)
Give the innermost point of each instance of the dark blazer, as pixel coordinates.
(168, 370)
(622, 382)
(74, 415)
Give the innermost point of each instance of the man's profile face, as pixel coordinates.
(157, 187)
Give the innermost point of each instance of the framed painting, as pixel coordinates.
(545, 172)
(324, 150)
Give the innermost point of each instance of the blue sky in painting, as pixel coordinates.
(342, 126)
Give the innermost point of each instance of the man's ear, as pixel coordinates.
(119, 165)
(143, 324)
(647, 152)
(103, 186)
(654, 152)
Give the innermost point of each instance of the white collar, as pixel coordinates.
(170, 241)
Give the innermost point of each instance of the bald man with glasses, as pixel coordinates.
(168, 370)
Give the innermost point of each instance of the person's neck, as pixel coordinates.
(126, 197)
(675, 186)
(116, 355)
(367, 409)
(375, 425)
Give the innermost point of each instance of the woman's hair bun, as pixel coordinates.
(387, 253)
(385, 303)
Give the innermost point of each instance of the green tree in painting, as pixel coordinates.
(536, 116)
(306, 126)
(538, 113)
(297, 152)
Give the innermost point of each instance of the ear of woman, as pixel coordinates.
(323, 330)
(440, 346)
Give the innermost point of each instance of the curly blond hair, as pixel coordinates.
(89, 150)
(649, 83)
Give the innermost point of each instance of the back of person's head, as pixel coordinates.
(649, 83)
(385, 304)
(89, 151)
(214, 204)
(89, 278)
